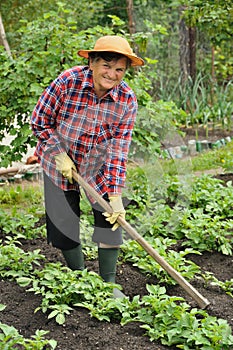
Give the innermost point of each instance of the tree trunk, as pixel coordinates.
(183, 50)
(187, 50)
(132, 28)
(212, 63)
(192, 52)
(3, 38)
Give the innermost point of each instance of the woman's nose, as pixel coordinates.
(111, 73)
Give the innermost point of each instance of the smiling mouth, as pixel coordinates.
(109, 80)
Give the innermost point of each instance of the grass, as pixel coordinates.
(221, 157)
(22, 197)
(211, 159)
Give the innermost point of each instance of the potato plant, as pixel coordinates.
(167, 319)
(10, 338)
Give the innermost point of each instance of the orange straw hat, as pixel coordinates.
(114, 43)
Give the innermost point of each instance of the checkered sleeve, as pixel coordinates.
(120, 143)
(43, 120)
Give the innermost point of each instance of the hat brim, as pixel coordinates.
(135, 60)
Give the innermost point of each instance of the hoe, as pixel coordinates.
(201, 301)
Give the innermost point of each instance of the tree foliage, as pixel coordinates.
(48, 45)
(83, 13)
(215, 17)
(45, 36)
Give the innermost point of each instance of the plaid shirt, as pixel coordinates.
(95, 133)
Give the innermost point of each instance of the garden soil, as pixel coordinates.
(81, 332)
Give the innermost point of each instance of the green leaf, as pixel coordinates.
(52, 343)
(9, 330)
(23, 281)
(2, 307)
(60, 319)
(53, 313)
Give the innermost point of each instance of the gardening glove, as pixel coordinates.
(118, 210)
(65, 165)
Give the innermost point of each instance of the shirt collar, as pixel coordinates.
(114, 93)
(88, 80)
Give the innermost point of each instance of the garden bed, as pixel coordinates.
(80, 331)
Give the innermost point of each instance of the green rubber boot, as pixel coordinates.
(107, 267)
(74, 258)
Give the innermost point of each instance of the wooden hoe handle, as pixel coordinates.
(201, 301)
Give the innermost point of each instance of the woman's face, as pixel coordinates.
(106, 75)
